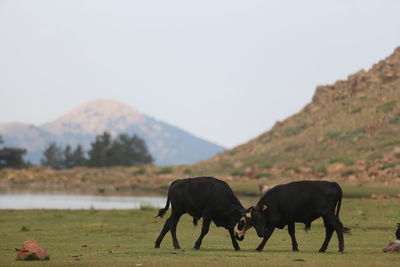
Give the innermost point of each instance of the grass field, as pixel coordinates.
(126, 238)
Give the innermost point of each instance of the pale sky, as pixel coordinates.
(225, 71)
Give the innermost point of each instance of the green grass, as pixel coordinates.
(126, 238)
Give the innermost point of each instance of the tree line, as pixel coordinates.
(12, 157)
(105, 151)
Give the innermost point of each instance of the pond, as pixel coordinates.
(75, 202)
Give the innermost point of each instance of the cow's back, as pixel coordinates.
(302, 201)
(195, 195)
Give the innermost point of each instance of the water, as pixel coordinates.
(75, 202)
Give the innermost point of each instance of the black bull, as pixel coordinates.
(202, 197)
(302, 201)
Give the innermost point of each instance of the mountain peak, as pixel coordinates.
(96, 116)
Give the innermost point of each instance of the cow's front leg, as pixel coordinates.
(234, 242)
(267, 234)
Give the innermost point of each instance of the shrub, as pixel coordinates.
(356, 110)
(147, 208)
(388, 106)
(346, 160)
(101, 190)
(292, 168)
(262, 175)
(139, 172)
(348, 135)
(320, 168)
(187, 171)
(348, 173)
(291, 148)
(395, 119)
(375, 155)
(289, 131)
(388, 165)
(237, 173)
(394, 142)
(165, 170)
(24, 229)
(332, 134)
(268, 165)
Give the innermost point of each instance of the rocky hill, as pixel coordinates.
(349, 131)
(167, 144)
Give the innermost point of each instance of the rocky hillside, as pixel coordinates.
(349, 131)
(167, 144)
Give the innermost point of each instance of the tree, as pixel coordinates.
(12, 157)
(123, 151)
(68, 161)
(53, 157)
(78, 157)
(99, 153)
(128, 151)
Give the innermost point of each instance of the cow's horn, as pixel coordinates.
(264, 207)
(248, 215)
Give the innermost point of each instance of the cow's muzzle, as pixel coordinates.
(239, 238)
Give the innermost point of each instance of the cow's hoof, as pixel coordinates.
(341, 252)
(321, 251)
(157, 246)
(295, 249)
(237, 249)
(258, 250)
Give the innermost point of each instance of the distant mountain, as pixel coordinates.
(350, 129)
(167, 143)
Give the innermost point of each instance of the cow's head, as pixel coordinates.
(252, 218)
(242, 226)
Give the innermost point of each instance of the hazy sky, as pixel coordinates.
(222, 70)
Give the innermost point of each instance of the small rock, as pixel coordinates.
(393, 247)
(31, 250)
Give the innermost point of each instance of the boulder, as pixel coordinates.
(393, 247)
(31, 250)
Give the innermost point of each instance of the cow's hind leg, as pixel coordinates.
(204, 231)
(328, 234)
(174, 222)
(164, 231)
(291, 231)
(234, 242)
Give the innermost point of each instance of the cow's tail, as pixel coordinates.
(344, 229)
(161, 212)
(340, 199)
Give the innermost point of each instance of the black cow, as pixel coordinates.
(398, 232)
(202, 197)
(302, 201)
